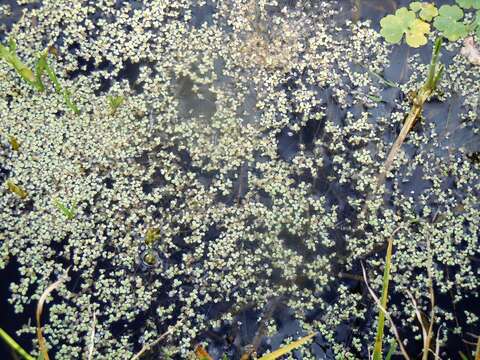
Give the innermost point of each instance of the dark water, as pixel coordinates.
(233, 341)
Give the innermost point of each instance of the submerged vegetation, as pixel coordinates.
(8, 54)
(243, 189)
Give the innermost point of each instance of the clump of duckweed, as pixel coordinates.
(250, 141)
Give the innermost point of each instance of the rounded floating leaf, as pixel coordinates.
(427, 11)
(394, 26)
(416, 6)
(468, 4)
(416, 35)
(448, 22)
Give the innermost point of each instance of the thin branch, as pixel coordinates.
(148, 346)
(420, 320)
(437, 343)
(432, 296)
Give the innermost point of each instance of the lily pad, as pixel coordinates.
(448, 22)
(468, 4)
(427, 10)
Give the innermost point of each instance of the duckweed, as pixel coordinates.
(251, 142)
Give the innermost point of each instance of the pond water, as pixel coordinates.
(233, 193)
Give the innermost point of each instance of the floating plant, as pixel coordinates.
(15, 189)
(449, 22)
(309, 102)
(115, 102)
(404, 22)
(68, 212)
(35, 79)
(414, 23)
(13, 141)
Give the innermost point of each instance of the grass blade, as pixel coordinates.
(69, 213)
(15, 346)
(7, 53)
(56, 84)
(393, 348)
(287, 348)
(377, 350)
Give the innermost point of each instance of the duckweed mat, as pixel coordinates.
(220, 177)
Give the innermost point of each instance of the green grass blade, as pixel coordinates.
(58, 88)
(22, 70)
(39, 70)
(393, 348)
(433, 71)
(51, 74)
(377, 351)
(69, 213)
(71, 105)
(15, 346)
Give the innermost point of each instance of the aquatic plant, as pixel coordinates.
(186, 169)
(42, 65)
(16, 189)
(13, 141)
(35, 79)
(287, 348)
(414, 23)
(435, 72)
(115, 102)
(8, 54)
(15, 346)
(68, 212)
(404, 22)
(377, 350)
(202, 354)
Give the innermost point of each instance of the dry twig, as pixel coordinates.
(38, 315)
(148, 346)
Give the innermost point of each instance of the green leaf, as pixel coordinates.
(394, 26)
(39, 70)
(391, 351)
(15, 346)
(416, 6)
(427, 11)
(115, 102)
(12, 45)
(416, 35)
(448, 22)
(377, 350)
(69, 213)
(468, 4)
